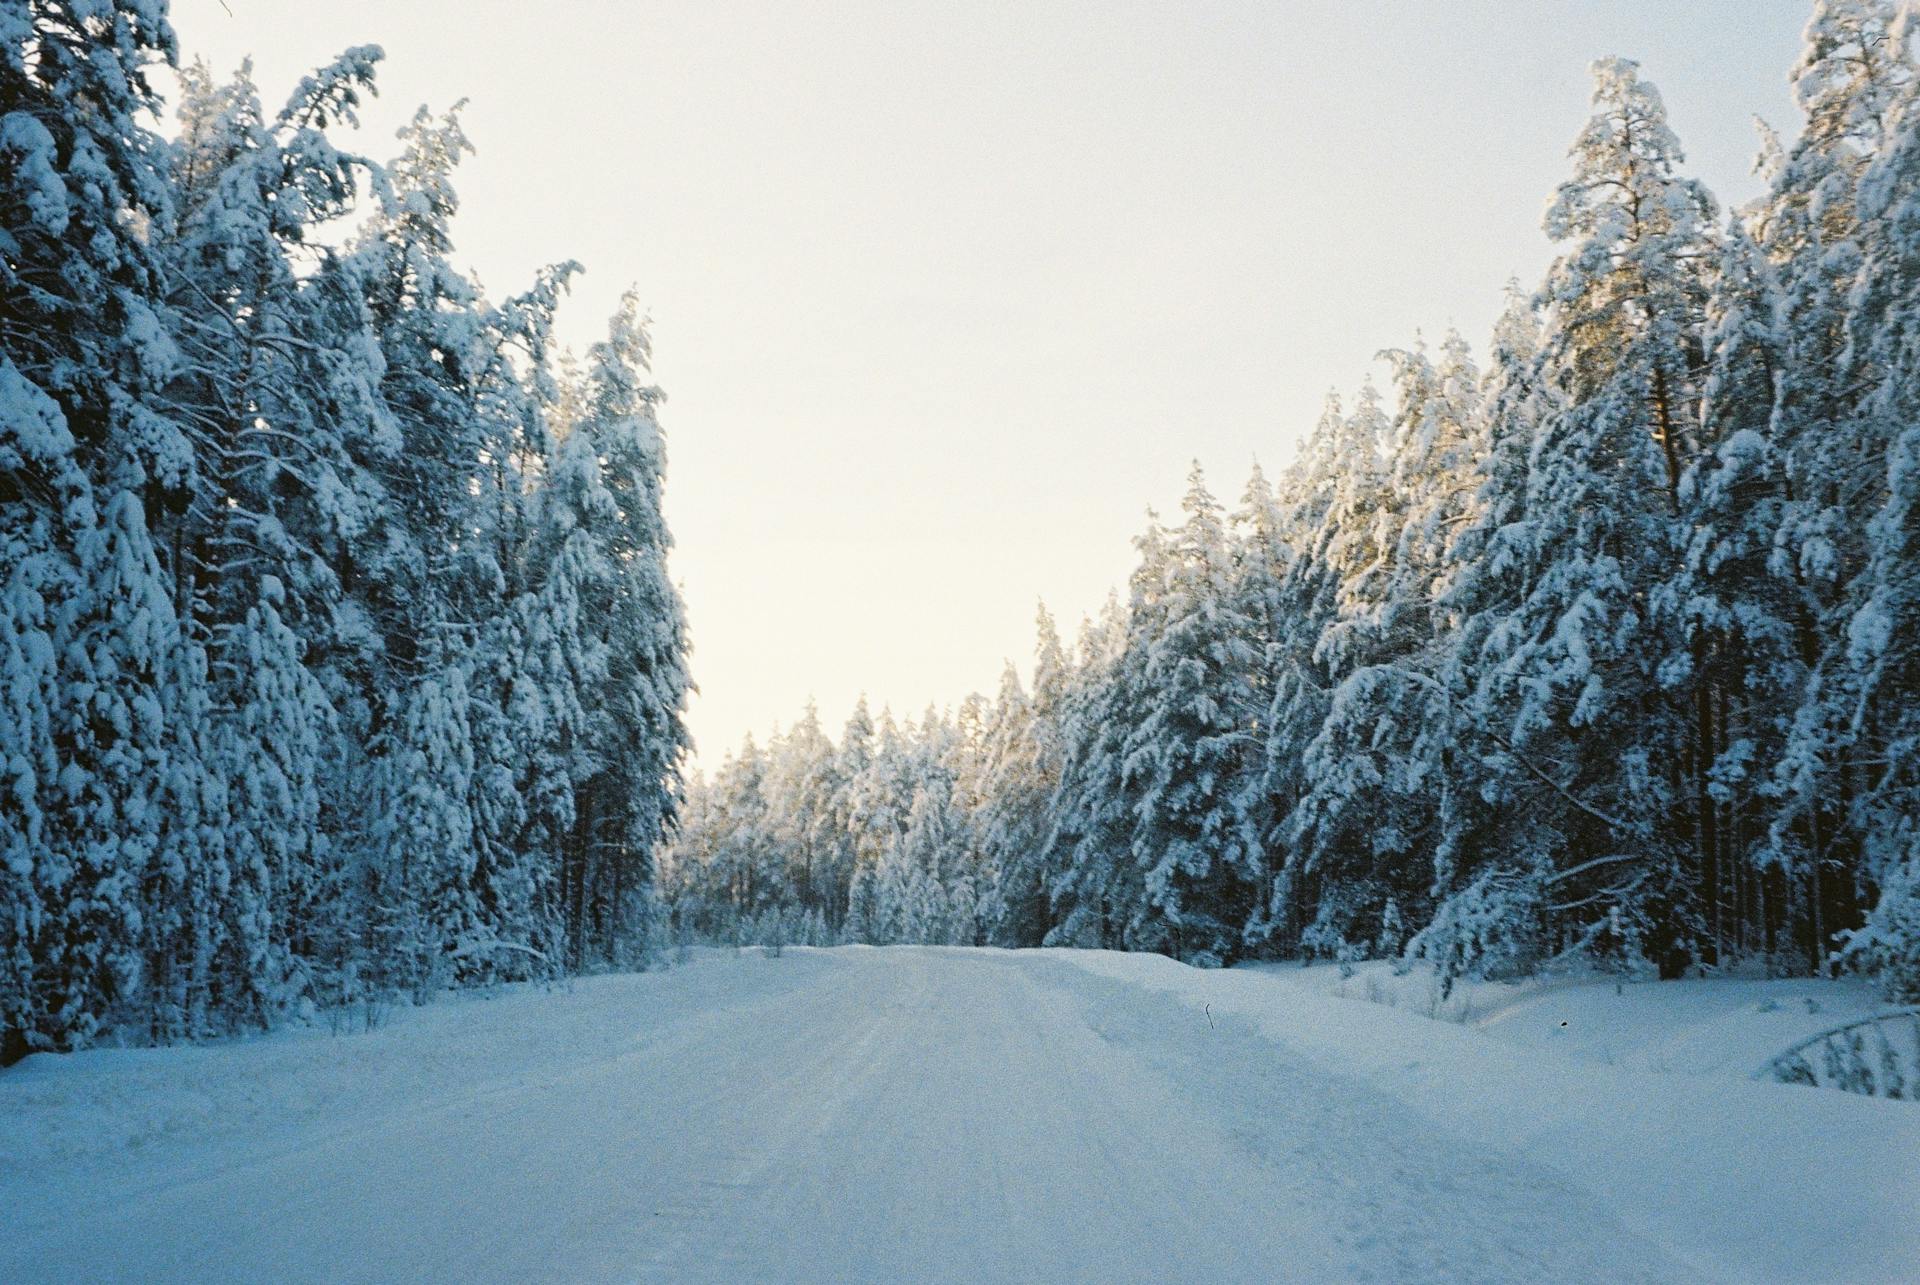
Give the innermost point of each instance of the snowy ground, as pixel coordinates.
(1720, 1026)
(911, 1114)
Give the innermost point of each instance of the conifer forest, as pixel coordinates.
(340, 657)
(1598, 643)
(1478, 841)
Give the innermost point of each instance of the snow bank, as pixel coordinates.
(1718, 1026)
(253, 1095)
(1760, 1181)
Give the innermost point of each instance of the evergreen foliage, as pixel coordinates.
(338, 657)
(1607, 652)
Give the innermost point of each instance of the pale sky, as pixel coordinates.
(946, 294)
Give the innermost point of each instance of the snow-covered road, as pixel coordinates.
(901, 1114)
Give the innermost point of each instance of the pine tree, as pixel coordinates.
(1485, 898)
(1738, 614)
(288, 718)
(1297, 680)
(800, 789)
(522, 696)
(1855, 70)
(277, 488)
(87, 458)
(634, 738)
(1882, 677)
(1371, 807)
(1023, 760)
(1094, 891)
(1580, 653)
(1184, 755)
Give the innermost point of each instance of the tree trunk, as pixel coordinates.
(1708, 830)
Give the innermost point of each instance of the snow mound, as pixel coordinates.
(1758, 1180)
(1713, 1026)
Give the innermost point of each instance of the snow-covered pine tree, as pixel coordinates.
(1010, 818)
(888, 796)
(520, 689)
(1853, 74)
(270, 640)
(973, 872)
(800, 787)
(1376, 770)
(1608, 652)
(411, 839)
(1190, 743)
(101, 787)
(1297, 683)
(1022, 771)
(852, 761)
(635, 737)
(741, 848)
(277, 490)
(1579, 658)
(1484, 841)
(1738, 616)
(1262, 559)
(1094, 889)
(927, 856)
(1881, 358)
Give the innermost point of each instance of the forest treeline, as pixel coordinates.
(1604, 647)
(338, 657)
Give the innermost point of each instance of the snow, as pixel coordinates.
(928, 1114)
(30, 150)
(1738, 1179)
(1716, 1026)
